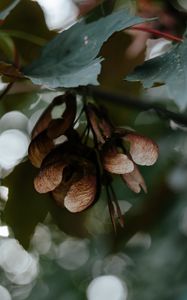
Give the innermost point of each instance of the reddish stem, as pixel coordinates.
(158, 33)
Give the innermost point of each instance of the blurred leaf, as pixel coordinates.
(70, 223)
(69, 60)
(25, 207)
(169, 68)
(24, 36)
(7, 47)
(6, 12)
(128, 4)
(27, 28)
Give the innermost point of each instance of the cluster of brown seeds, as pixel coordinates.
(72, 168)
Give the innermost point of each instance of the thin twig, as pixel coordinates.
(158, 33)
(118, 209)
(6, 90)
(111, 209)
(133, 103)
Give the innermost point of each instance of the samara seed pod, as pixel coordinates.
(135, 181)
(115, 162)
(57, 117)
(143, 150)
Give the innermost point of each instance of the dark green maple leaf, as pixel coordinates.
(4, 13)
(169, 69)
(70, 59)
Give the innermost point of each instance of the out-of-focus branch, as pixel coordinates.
(135, 104)
(108, 96)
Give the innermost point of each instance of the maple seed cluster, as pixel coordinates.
(73, 167)
(67, 167)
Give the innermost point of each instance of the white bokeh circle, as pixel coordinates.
(107, 287)
(13, 147)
